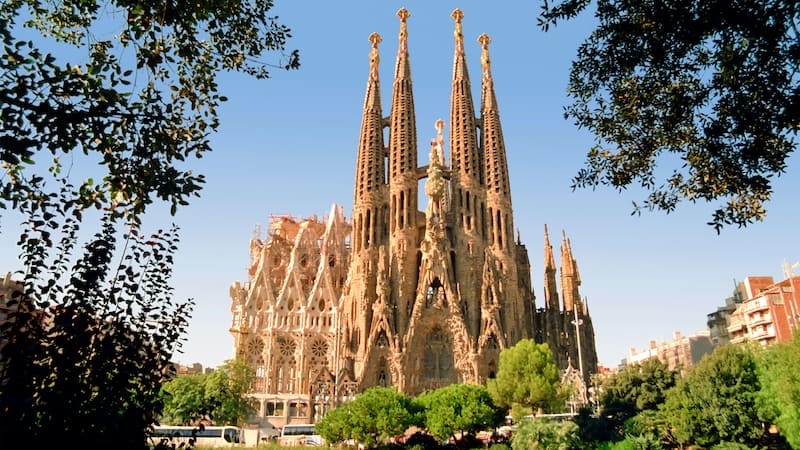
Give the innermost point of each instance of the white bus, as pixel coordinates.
(293, 434)
(204, 436)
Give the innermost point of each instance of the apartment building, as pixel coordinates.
(769, 312)
(678, 354)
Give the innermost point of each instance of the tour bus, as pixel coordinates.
(300, 434)
(205, 435)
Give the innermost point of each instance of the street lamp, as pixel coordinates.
(578, 322)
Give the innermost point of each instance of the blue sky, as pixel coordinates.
(287, 145)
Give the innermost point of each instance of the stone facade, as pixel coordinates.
(399, 296)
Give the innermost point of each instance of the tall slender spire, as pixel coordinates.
(403, 137)
(570, 277)
(403, 182)
(370, 175)
(498, 191)
(466, 166)
(550, 286)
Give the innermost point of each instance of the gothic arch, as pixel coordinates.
(438, 365)
(285, 371)
(254, 356)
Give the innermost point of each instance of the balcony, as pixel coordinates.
(756, 304)
(762, 333)
(759, 319)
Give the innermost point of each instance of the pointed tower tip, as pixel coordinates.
(374, 58)
(457, 15)
(486, 63)
(403, 14)
(375, 39)
(439, 125)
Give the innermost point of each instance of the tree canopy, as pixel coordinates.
(459, 408)
(220, 396)
(693, 100)
(636, 388)
(83, 361)
(527, 377)
(718, 400)
(547, 434)
(138, 100)
(125, 93)
(377, 414)
(779, 374)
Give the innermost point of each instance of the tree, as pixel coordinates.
(220, 396)
(226, 391)
(83, 362)
(636, 388)
(375, 415)
(546, 434)
(702, 93)
(527, 378)
(717, 400)
(779, 374)
(459, 409)
(138, 104)
(335, 426)
(184, 400)
(88, 342)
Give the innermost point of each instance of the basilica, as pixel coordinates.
(397, 295)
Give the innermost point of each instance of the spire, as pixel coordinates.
(498, 192)
(497, 183)
(550, 287)
(465, 162)
(570, 277)
(463, 136)
(403, 127)
(403, 181)
(370, 175)
(457, 15)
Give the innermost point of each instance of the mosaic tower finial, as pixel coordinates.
(374, 58)
(403, 14)
(486, 63)
(457, 15)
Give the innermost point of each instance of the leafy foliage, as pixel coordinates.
(693, 100)
(527, 377)
(636, 388)
(375, 415)
(546, 434)
(139, 103)
(90, 332)
(459, 409)
(226, 390)
(779, 374)
(220, 396)
(717, 400)
(184, 400)
(87, 345)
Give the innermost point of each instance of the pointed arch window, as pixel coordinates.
(432, 291)
(382, 341)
